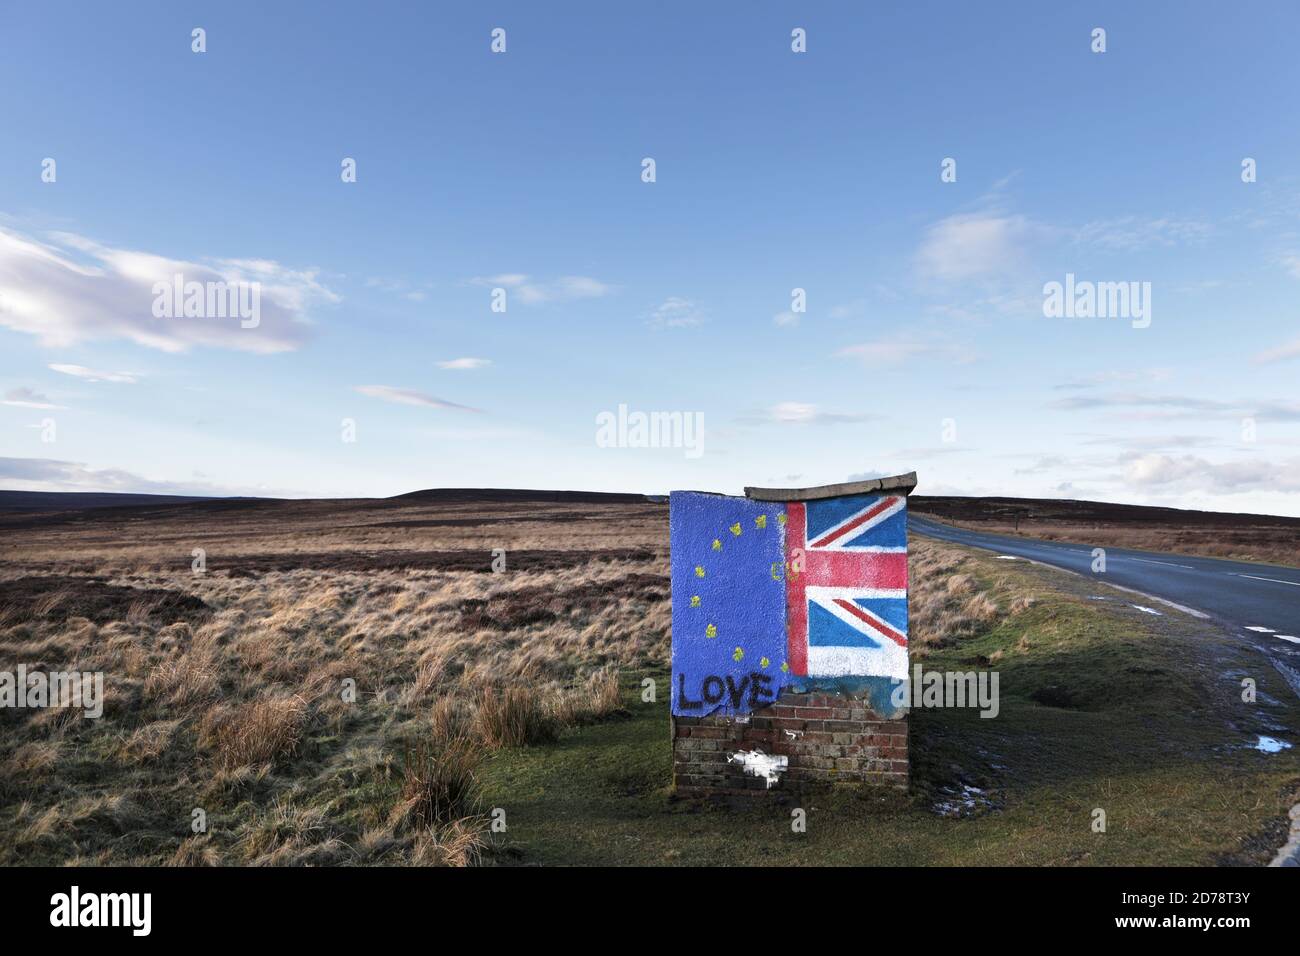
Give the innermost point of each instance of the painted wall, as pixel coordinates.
(806, 595)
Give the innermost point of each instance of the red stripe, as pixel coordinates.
(850, 569)
(796, 603)
(860, 519)
(876, 625)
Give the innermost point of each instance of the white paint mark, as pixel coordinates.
(1147, 610)
(1294, 584)
(767, 766)
(1287, 637)
(1271, 745)
(794, 734)
(1168, 564)
(1260, 630)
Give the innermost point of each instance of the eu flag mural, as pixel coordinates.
(809, 594)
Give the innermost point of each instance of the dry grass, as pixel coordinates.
(259, 732)
(439, 786)
(514, 716)
(284, 702)
(944, 603)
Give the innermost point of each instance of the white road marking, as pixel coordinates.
(1168, 564)
(1260, 630)
(1294, 584)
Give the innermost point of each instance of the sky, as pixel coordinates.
(378, 364)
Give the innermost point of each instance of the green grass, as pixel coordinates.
(1155, 734)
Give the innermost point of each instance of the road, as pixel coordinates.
(1263, 599)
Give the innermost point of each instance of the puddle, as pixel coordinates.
(1271, 745)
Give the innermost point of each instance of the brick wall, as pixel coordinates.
(827, 738)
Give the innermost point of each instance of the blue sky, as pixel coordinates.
(924, 345)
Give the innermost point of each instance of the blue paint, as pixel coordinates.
(741, 593)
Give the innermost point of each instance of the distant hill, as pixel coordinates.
(83, 500)
(1070, 511)
(522, 494)
(75, 500)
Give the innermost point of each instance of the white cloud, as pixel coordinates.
(76, 290)
(47, 474)
(786, 319)
(972, 245)
(26, 398)
(92, 375)
(804, 413)
(465, 364)
(536, 292)
(676, 313)
(408, 396)
(1190, 472)
(1287, 350)
(1131, 233)
(895, 351)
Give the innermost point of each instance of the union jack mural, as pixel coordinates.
(846, 586)
(768, 594)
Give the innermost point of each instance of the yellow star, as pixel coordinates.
(735, 529)
(785, 668)
(699, 571)
(717, 545)
(760, 521)
(695, 600)
(763, 663)
(738, 655)
(711, 631)
(780, 519)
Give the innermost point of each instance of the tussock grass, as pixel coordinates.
(515, 716)
(259, 732)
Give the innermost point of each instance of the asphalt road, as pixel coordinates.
(1262, 599)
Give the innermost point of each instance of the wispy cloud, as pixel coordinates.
(93, 375)
(1134, 233)
(895, 351)
(1190, 472)
(1281, 353)
(409, 396)
(75, 289)
(803, 413)
(26, 398)
(974, 245)
(465, 364)
(48, 474)
(786, 319)
(676, 313)
(532, 291)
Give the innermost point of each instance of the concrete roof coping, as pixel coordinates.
(902, 484)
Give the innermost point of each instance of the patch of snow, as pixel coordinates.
(1147, 610)
(1271, 745)
(1260, 630)
(1007, 557)
(1287, 637)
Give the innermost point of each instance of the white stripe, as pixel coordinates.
(1294, 584)
(838, 529)
(889, 660)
